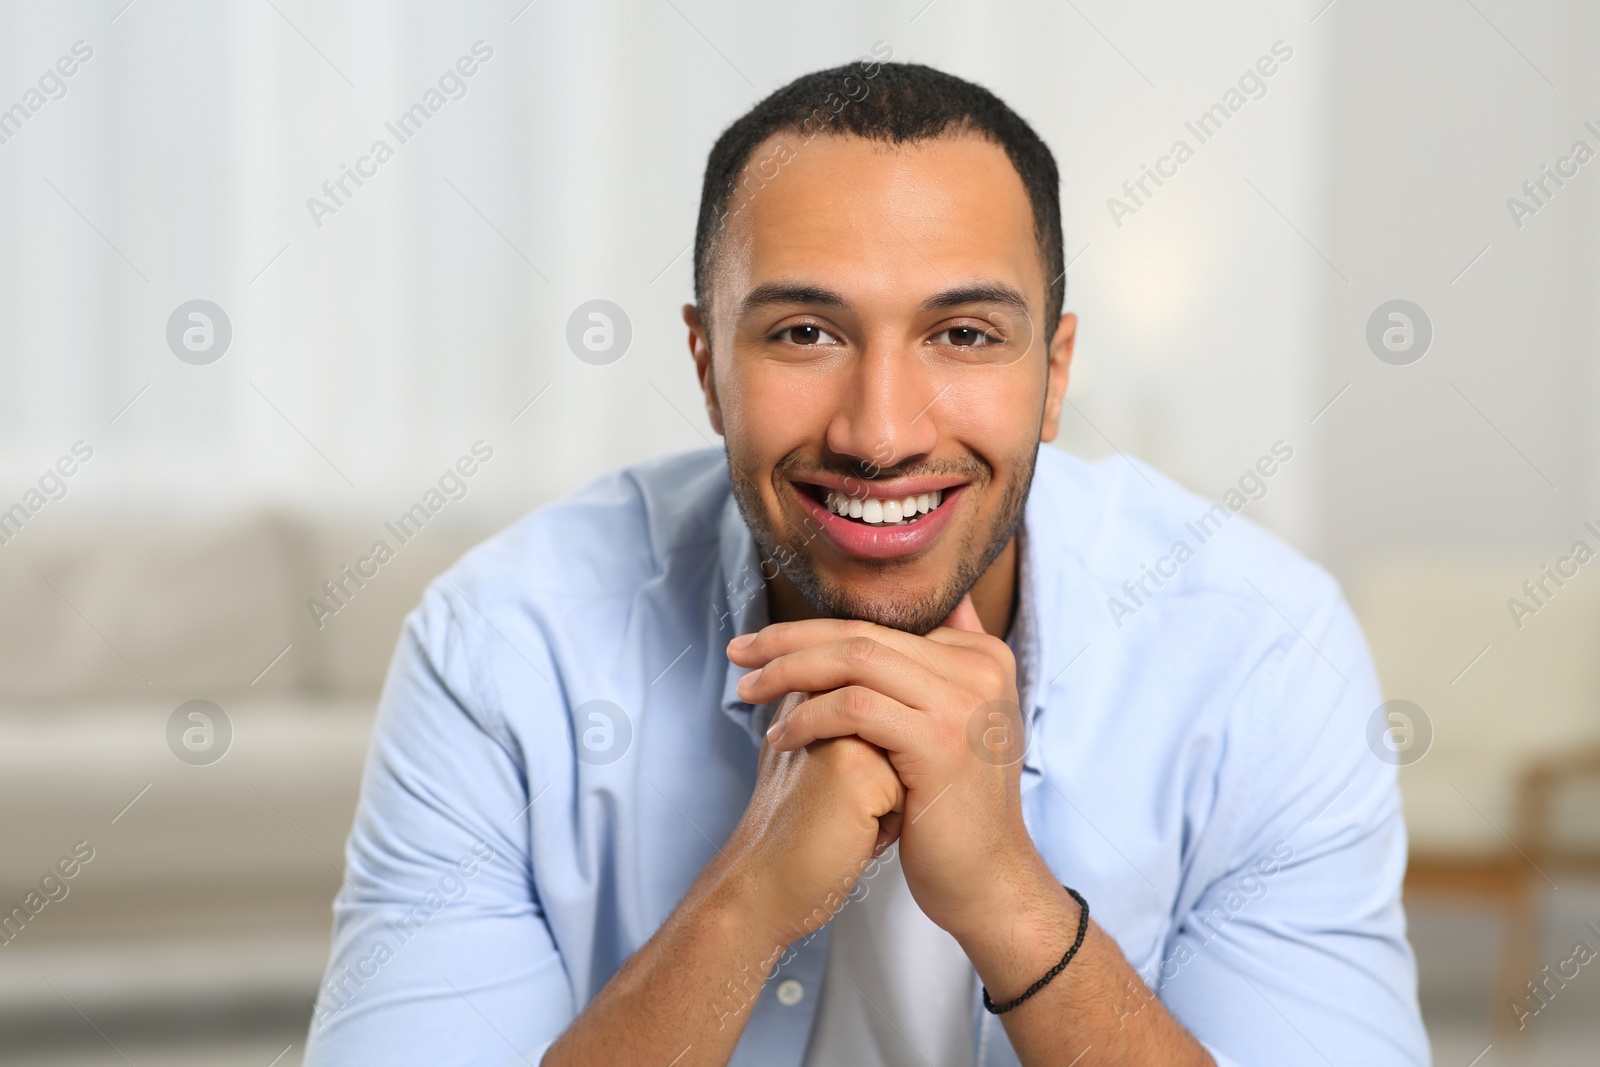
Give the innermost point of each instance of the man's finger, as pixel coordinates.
(851, 711)
(780, 638)
(965, 617)
(855, 661)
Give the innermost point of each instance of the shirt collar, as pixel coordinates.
(1027, 641)
(740, 604)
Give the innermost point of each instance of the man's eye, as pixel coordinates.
(808, 335)
(966, 337)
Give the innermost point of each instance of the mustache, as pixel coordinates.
(801, 468)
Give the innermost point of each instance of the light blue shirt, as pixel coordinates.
(1198, 768)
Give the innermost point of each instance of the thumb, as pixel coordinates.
(965, 617)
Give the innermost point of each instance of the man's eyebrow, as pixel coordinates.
(978, 293)
(988, 292)
(770, 293)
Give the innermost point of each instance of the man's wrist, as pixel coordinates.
(1021, 930)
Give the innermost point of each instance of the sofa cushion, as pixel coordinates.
(174, 840)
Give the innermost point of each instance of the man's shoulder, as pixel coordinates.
(1135, 533)
(1213, 626)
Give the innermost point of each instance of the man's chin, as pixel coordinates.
(913, 612)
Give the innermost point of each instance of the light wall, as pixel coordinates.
(1486, 450)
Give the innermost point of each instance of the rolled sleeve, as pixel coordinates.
(441, 952)
(1294, 949)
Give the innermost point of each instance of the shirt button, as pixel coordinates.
(790, 992)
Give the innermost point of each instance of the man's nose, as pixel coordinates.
(886, 408)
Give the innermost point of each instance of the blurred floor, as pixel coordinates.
(220, 999)
(196, 1036)
(1456, 953)
(256, 1050)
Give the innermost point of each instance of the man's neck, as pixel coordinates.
(994, 594)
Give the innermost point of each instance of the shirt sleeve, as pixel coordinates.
(1293, 949)
(441, 953)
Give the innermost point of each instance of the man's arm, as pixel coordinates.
(667, 1002)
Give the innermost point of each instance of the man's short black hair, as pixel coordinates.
(894, 103)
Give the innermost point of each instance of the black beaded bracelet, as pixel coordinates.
(1083, 928)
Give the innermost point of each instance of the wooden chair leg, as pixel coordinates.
(1521, 922)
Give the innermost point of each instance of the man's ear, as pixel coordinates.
(1055, 388)
(700, 349)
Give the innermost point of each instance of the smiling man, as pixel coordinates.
(790, 756)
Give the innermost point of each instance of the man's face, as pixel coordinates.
(876, 347)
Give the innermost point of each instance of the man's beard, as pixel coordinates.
(790, 549)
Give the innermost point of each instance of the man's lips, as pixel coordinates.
(866, 541)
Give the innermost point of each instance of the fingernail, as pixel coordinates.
(749, 680)
(775, 732)
(742, 641)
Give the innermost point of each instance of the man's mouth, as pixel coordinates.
(886, 520)
(878, 511)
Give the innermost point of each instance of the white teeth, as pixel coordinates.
(879, 512)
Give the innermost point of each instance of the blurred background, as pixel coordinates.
(228, 368)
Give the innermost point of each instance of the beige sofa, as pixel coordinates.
(208, 882)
